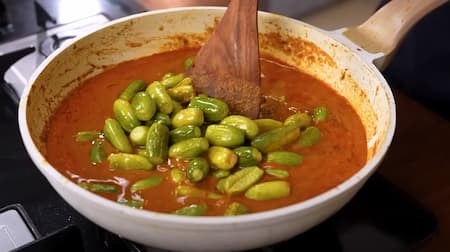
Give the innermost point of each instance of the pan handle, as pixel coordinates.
(380, 35)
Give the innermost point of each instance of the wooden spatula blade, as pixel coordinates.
(227, 66)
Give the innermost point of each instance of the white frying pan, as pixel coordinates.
(343, 59)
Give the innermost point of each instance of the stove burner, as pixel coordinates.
(50, 44)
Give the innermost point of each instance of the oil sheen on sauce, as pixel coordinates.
(340, 153)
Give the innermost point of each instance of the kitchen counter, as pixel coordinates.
(418, 162)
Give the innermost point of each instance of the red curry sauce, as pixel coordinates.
(338, 155)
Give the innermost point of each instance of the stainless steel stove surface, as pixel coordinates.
(33, 217)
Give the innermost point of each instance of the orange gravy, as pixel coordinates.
(340, 153)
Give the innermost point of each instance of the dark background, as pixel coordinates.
(421, 66)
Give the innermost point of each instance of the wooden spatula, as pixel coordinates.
(227, 66)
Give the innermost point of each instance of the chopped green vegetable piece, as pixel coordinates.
(142, 152)
(184, 132)
(172, 81)
(269, 190)
(279, 173)
(214, 196)
(221, 173)
(124, 114)
(214, 109)
(300, 120)
(285, 158)
(182, 92)
(189, 148)
(130, 91)
(187, 63)
(248, 156)
(192, 210)
(125, 161)
(191, 191)
(242, 179)
(222, 158)
(162, 119)
(320, 114)
(159, 94)
(85, 136)
(99, 187)
(97, 153)
(309, 137)
(275, 139)
(188, 116)
(236, 208)
(266, 124)
(244, 123)
(144, 106)
(116, 135)
(197, 170)
(146, 183)
(133, 203)
(167, 75)
(177, 175)
(138, 135)
(225, 135)
(158, 143)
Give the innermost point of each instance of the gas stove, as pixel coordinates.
(33, 217)
(40, 45)
(49, 24)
